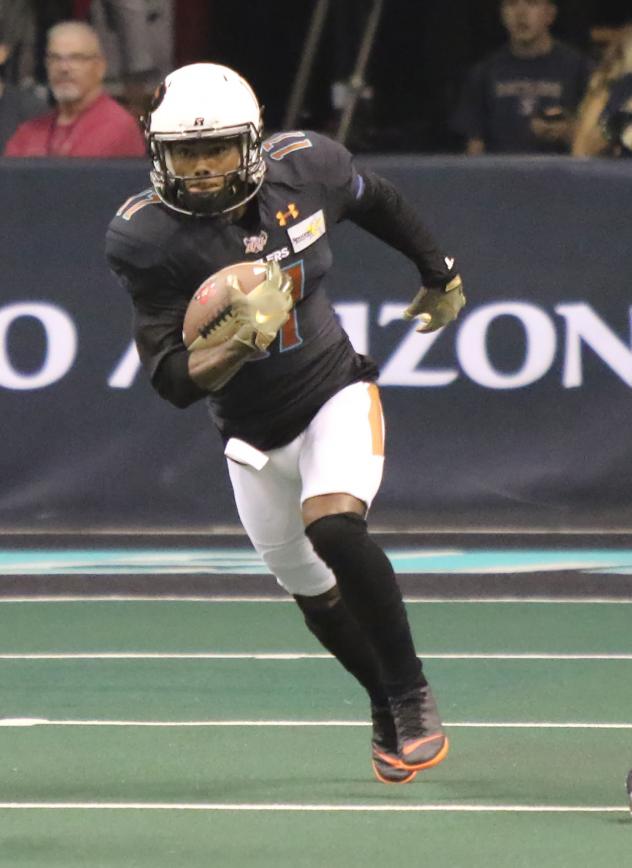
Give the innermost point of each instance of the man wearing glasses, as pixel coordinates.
(86, 121)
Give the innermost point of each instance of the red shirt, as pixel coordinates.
(104, 129)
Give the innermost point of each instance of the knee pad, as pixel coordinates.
(335, 537)
(296, 568)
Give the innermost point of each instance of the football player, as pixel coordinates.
(297, 407)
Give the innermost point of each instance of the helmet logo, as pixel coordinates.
(291, 214)
(158, 96)
(198, 122)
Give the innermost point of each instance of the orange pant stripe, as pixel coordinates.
(376, 420)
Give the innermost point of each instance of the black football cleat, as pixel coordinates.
(421, 739)
(385, 759)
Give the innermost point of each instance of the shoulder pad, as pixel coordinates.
(141, 230)
(307, 155)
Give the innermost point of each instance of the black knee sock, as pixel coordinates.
(369, 588)
(329, 620)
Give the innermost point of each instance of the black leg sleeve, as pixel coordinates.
(369, 588)
(330, 621)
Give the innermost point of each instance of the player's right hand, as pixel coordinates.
(256, 341)
(265, 310)
(272, 300)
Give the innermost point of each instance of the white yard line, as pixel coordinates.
(20, 722)
(285, 656)
(130, 598)
(298, 807)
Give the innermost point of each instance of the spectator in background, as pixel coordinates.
(523, 98)
(617, 117)
(16, 104)
(86, 122)
(607, 100)
(137, 38)
(47, 14)
(18, 23)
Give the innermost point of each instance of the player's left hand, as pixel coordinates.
(435, 308)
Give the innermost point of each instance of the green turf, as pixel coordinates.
(315, 765)
(326, 765)
(479, 690)
(115, 839)
(202, 626)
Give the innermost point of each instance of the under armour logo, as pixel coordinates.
(291, 214)
(198, 122)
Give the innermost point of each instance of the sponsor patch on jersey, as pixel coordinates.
(307, 231)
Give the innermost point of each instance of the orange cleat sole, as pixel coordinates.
(403, 780)
(428, 764)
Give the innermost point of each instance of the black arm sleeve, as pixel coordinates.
(157, 332)
(140, 256)
(158, 317)
(383, 212)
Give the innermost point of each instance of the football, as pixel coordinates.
(208, 320)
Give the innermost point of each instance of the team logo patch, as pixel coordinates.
(256, 243)
(307, 231)
(291, 214)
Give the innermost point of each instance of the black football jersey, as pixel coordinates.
(161, 256)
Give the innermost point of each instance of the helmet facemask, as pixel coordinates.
(240, 184)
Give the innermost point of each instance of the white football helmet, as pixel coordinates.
(205, 101)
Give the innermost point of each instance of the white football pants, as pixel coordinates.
(340, 451)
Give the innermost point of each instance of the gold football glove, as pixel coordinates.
(435, 308)
(265, 310)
